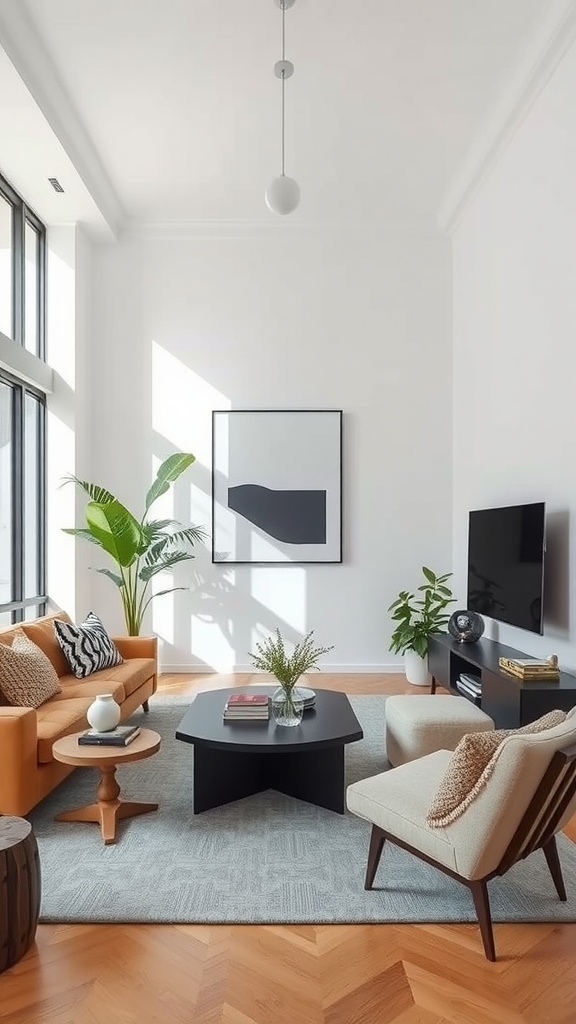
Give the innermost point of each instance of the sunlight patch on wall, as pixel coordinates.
(63, 510)
(211, 645)
(182, 404)
(283, 592)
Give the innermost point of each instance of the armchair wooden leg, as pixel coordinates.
(553, 862)
(145, 706)
(482, 904)
(377, 840)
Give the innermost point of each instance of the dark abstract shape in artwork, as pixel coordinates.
(293, 517)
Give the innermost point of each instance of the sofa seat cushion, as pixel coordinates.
(59, 718)
(91, 687)
(131, 674)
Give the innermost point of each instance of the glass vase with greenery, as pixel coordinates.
(420, 616)
(141, 548)
(271, 656)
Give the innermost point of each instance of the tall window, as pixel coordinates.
(22, 413)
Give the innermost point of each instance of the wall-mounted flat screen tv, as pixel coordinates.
(506, 564)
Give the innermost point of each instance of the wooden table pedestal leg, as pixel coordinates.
(109, 808)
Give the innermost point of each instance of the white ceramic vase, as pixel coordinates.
(104, 714)
(416, 668)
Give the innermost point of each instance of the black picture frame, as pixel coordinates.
(277, 486)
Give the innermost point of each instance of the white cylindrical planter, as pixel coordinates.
(416, 668)
(104, 714)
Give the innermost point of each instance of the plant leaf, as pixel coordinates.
(148, 571)
(170, 470)
(94, 491)
(84, 534)
(112, 576)
(115, 529)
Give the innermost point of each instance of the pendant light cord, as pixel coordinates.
(282, 81)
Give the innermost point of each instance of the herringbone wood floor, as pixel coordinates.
(376, 974)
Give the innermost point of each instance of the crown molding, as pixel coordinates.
(276, 228)
(20, 40)
(548, 44)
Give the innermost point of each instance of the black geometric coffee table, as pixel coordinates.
(233, 760)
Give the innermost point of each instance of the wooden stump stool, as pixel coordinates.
(19, 889)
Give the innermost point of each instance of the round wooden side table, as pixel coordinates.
(109, 808)
(20, 889)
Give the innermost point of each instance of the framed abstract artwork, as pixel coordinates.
(276, 486)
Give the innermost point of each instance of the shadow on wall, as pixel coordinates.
(557, 574)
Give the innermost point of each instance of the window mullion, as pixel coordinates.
(19, 270)
(18, 499)
(41, 470)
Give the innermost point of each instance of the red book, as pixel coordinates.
(250, 700)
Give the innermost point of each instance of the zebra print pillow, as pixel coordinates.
(87, 647)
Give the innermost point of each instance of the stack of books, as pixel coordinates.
(531, 669)
(469, 685)
(121, 736)
(247, 707)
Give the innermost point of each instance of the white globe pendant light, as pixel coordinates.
(283, 193)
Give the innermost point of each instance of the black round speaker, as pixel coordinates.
(466, 626)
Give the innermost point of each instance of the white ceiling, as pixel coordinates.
(181, 103)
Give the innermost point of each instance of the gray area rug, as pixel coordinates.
(266, 859)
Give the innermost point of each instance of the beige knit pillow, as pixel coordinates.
(472, 764)
(27, 677)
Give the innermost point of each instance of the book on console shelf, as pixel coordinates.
(531, 669)
(121, 736)
(467, 691)
(473, 681)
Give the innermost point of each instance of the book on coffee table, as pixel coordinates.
(121, 736)
(246, 707)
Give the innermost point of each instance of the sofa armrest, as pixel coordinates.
(18, 759)
(137, 647)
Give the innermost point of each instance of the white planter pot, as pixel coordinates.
(416, 668)
(104, 713)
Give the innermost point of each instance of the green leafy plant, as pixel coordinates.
(271, 657)
(420, 616)
(141, 548)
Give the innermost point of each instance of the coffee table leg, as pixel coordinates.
(316, 776)
(109, 808)
(221, 776)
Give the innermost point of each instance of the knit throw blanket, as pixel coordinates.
(472, 764)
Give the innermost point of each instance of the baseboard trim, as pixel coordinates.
(249, 669)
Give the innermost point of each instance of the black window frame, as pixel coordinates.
(21, 215)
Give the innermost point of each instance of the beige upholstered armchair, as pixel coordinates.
(527, 799)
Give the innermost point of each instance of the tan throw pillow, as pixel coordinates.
(472, 764)
(27, 677)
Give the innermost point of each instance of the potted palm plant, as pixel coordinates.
(140, 547)
(418, 616)
(287, 701)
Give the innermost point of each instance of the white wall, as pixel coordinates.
(340, 319)
(514, 328)
(69, 425)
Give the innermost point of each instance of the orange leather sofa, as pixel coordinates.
(27, 769)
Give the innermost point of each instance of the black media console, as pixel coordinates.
(509, 701)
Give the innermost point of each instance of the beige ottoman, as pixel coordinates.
(418, 725)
